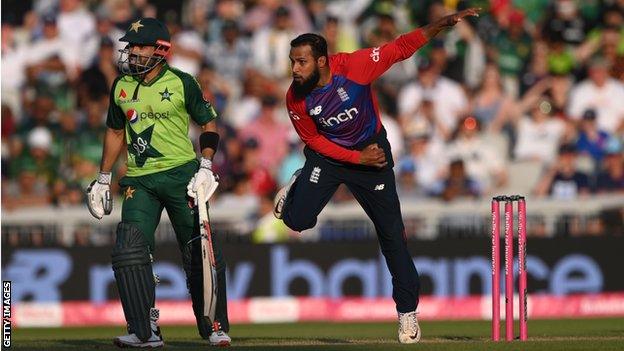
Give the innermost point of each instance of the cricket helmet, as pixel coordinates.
(146, 31)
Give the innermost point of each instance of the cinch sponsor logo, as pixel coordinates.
(133, 116)
(294, 115)
(375, 54)
(341, 117)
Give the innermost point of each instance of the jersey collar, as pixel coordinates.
(165, 68)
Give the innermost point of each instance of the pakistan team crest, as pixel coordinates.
(165, 95)
(140, 146)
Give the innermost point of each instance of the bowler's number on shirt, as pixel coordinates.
(140, 145)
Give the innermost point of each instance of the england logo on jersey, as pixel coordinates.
(132, 116)
(342, 94)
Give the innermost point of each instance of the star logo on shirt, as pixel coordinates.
(135, 26)
(140, 146)
(129, 193)
(165, 95)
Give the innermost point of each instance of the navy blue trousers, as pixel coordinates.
(375, 191)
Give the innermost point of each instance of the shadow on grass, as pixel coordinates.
(265, 341)
(91, 344)
(458, 338)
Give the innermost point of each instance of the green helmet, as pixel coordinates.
(146, 31)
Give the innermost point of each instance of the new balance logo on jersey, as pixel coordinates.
(341, 117)
(316, 173)
(375, 54)
(342, 94)
(315, 111)
(380, 186)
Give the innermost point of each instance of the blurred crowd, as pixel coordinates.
(529, 97)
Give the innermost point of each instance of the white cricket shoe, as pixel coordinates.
(133, 341)
(409, 331)
(220, 338)
(280, 198)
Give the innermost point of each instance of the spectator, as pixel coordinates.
(261, 181)
(601, 93)
(510, 50)
(39, 144)
(556, 88)
(231, 55)
(7, 130)
(464, 54)
(270, 133)
(95, 81)
(241, 197)
(224, 10)
(293, 161)
(229, 161)
(187, 47)
(537, 68)
(591, 140)
(538, 134)
(263, 14)
(216, 88)
(272, 45)
(92, 132)
(340, 38)
(399, 74)
(406, 179)
(491, 102)
(449, 100)
(65, 143)
(27, 190)
(566, 22)
(428, 161)
(76, 26)
(458, 184)
(563, 181)
(249, 103)
(269, 229)
(611, 178)
(426, 121)
(482, 161)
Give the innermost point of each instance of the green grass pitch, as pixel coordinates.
(551, 335)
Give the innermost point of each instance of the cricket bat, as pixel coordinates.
(209, 267)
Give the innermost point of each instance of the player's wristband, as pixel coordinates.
(209, 140)
(105, 178)
(205, 163)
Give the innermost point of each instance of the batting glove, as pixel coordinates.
(99, 199)
(203, 178)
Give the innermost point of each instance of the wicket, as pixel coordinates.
(509, 277)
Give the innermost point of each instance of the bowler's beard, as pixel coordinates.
(304, 88)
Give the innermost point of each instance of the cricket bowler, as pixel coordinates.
(334, 111)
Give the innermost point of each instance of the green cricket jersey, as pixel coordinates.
(156, 119)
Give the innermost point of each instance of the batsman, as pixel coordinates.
(150, 109)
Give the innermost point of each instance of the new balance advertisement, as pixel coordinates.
(448, 268)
